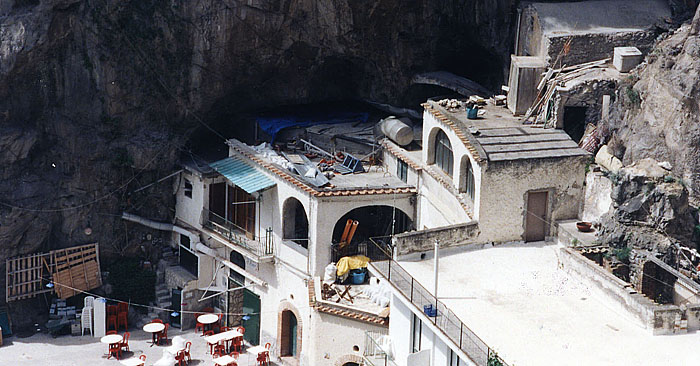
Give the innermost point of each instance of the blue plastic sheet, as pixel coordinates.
(272, 126)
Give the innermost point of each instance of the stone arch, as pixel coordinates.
(344, 360)
(295, 222)
(284, 315)
(431, 144)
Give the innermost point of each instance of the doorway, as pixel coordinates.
(176, 301)
(288, 341)
(251, 319)
(536, 216)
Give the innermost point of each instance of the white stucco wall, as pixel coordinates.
(189, 209)
(401, 333)
(431, 125)
(334, 337)
(390, 162)
(505, 187)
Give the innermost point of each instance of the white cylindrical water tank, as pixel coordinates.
(397, 130)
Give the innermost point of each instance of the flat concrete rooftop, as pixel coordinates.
(517, 299)
(504, 137)
(602, 16)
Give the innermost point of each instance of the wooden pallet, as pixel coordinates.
(71, 271)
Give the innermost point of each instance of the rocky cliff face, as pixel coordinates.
(99, 97)
(660, 111)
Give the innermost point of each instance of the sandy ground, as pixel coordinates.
(42, 349)
(517, 299)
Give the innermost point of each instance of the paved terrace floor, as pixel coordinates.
(517, 299)
(42, 349)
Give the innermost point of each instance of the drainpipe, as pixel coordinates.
(164, 226)
(436, 249)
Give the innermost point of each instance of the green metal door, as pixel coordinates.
(292, 334)
(251, 321)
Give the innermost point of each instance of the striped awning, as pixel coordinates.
(242, 174)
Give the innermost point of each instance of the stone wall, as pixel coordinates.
(591, 47)
(448, 236)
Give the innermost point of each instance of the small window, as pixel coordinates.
(454, 359)
(417, 330)
(402, 170)
(188, 188)
(443, 153)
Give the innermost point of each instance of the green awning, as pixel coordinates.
(242, 174)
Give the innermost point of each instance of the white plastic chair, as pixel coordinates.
(86, 320)
(88, 301)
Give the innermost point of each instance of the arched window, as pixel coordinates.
(468, 181)
(295, 225)
(443, 152)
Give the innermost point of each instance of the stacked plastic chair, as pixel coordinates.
(86, 320)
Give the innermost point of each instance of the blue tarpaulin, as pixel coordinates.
(273, 125)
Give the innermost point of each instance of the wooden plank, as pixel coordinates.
(563, 153)
(546, 145)
(521, 139)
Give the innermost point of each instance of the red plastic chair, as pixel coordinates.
(180, 357)
(122, 307)
(115, 348)
(218, 351)
(111, 332)
(262, 359)
(157, 321)
(211, 345)
(199, 326)
(123, 319)
(125, 341)
(267, 354)
(143, 358)
(188, 345)
(241, 330)
(112, 322)
(163, 336)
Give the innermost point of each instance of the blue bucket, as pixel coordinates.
(357, 278)
(472, 113)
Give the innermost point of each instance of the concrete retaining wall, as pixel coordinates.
(448, 236)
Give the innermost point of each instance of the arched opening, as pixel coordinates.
(467, 183)
(289, 334)
(443, 152)
(295, 224)
(351, 364)
(237, 259)
(377, 222)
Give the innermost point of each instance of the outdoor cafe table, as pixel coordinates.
(133, 362)
(208, 319)
(223, 336)
(153, 328)
(111, 339)
(256, 350)
(225, 360)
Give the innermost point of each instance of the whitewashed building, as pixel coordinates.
(270, 230)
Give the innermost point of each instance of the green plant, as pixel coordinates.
(132, 283)
(633, 97)
(575, 242)
(494, 360)
(623, 254)
(669, 179)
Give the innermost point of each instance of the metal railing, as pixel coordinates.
(442, 317)
(374, 352)
(375, 249)
(259, 246)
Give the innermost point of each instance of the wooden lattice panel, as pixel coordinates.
(71, 270)
(27, 276)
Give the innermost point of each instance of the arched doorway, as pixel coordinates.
(295, 224)
(377, 222)
(289, 334)
(351, 364)
(235, 297)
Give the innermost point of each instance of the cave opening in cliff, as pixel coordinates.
(575, 122)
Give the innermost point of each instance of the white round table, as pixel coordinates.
(208, 318)
(111, 339)
(153, 328)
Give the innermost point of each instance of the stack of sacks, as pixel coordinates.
(378, 291)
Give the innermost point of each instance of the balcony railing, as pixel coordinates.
(375, 351)
(258, 246)
(375, 249)
(441, 316)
